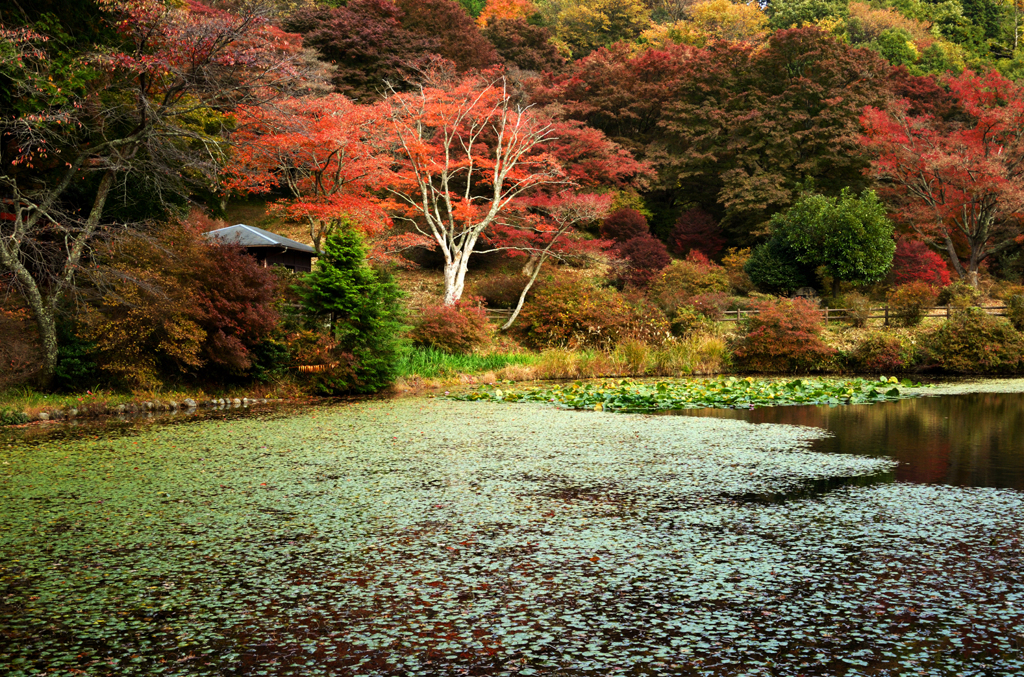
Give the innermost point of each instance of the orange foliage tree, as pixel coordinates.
(497, 10)
(470, 158)
(327, 152)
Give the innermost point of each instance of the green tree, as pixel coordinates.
(850, 237)
(360, 305)
(784, 14)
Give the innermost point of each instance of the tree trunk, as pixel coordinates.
(42, 311)
(522, 295)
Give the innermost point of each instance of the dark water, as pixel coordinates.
(972, 440)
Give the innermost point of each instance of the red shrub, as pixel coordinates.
(623, 225)
(646, 257)
(234, 297)
(457, 329)
(915, 262)
(783, 336)
(695, 230)
(575, 313)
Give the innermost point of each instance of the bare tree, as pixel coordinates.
(468, 157)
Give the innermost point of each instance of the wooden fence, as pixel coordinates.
(880, 313)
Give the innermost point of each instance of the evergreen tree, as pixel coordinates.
(360, 305)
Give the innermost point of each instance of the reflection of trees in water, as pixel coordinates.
(972, 440)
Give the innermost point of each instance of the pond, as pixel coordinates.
(429, 537)
(971, 440)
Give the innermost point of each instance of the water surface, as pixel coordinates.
(974, 440)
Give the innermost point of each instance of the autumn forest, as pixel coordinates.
(551, 188)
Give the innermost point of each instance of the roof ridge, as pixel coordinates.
(260, 232)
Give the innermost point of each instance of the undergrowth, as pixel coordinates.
(433, 363)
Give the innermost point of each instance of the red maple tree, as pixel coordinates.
(959, 184)
(327, 152)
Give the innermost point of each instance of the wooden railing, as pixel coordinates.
(880, 313)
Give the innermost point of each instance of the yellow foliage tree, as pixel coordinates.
(711, 20)
(585, 25)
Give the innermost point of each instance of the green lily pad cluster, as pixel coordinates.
(634, 396)
(437, 538)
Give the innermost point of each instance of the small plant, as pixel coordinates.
(908, 302)
(1015, 311)
(858, 309)
(459, 329)
(784, 335)
(12, 417)
(972, 341)
(885, 352)
(959, 295)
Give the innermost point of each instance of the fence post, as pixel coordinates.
(886, 316)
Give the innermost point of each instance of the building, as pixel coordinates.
(269, 248)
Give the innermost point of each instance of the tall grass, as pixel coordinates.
(698, 354)
(433, 363)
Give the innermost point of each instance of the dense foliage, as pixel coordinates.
(459, 329)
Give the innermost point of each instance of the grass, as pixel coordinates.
(434, 363)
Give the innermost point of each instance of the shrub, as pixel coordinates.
(858, 309)
(908, 302)
(687, 322)
(573, 312)
(784, 335)
(711, 305)
(696, 230)
(1015, 311)
(960, 295)
(623, 225)
(458, 330)
(733, 263)
(174, 303)
(19, 350)
(646, 323)
(884, 353)
(913, 261)
(360, 307)
(502, 290)
(684, 280)
(646, 256)
(321, 362)
(972, 341)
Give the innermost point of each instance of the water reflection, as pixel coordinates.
(972, 440)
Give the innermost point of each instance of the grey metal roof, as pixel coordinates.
(251, 236)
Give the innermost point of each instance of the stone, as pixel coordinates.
(236, 402)
(43, 416)
(172, 405)
(72, 412)
(189, 403)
